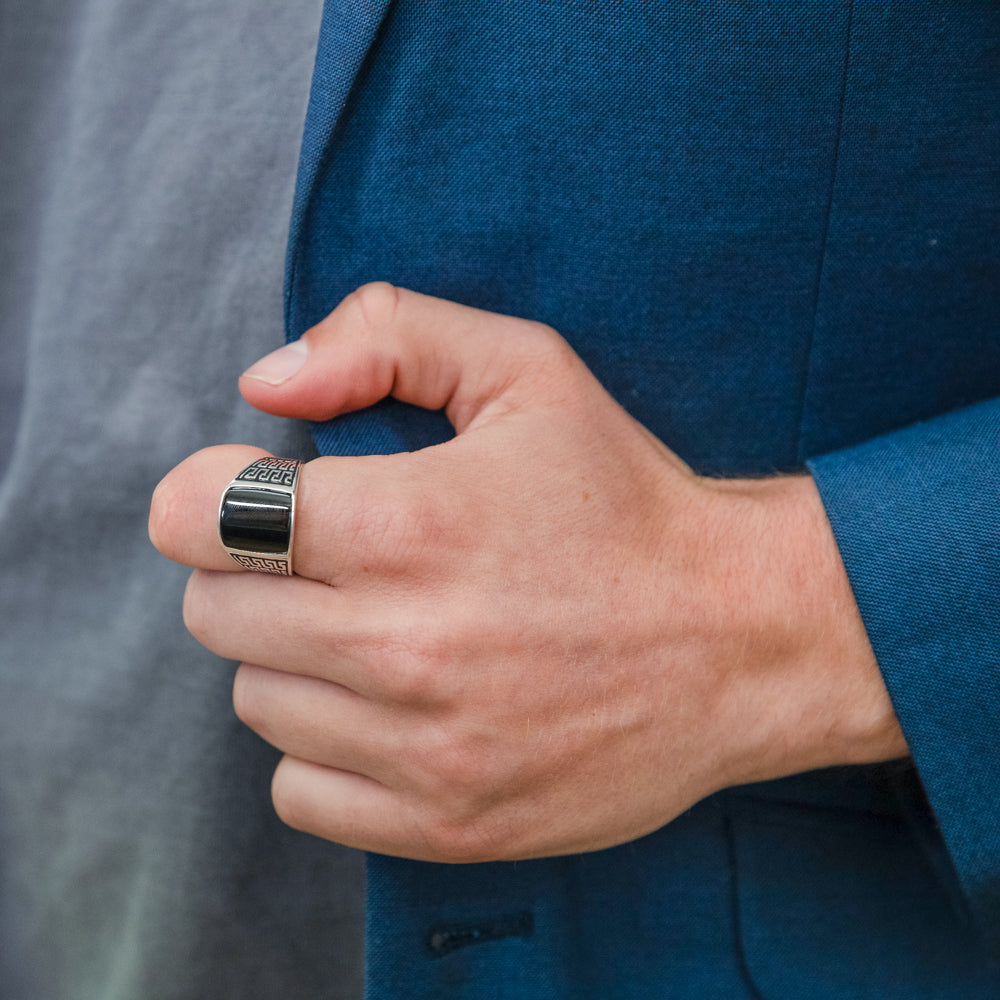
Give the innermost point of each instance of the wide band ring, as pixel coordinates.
(257, 515)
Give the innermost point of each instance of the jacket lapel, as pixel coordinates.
(347, 31)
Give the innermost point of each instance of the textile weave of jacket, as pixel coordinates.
(771, 230)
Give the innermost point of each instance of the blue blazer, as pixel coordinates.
(773, 232)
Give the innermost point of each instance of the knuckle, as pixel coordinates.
(546, 354)
(456, 778)
(469, 838)
(461, 772)
(176, 506)
(396, 531)
(544, 335)
(412, 675)
(466, 797)
(246, 703)
(195, 610)
(376, 305)
(286, 801)
(425, 661)
(254, 703)
(163, 516)
(540, 339)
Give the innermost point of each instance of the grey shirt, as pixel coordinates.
(146, 174)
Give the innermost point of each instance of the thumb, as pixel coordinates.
(386, 341)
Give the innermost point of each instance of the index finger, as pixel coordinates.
(183, 512)
(349, 513)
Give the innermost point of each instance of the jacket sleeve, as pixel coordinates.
(915, 514)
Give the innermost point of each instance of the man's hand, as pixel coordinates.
(544, 636)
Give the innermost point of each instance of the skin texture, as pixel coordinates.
(544, 636)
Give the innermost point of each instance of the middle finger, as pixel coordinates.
(300, 626)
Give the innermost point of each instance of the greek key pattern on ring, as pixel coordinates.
(258, 564)
(275, 471)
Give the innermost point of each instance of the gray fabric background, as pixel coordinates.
(146, 171)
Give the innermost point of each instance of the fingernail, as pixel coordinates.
(279, 366)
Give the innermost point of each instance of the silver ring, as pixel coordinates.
(257, 515)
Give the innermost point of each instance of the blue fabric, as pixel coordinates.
(345, 35)
(915, 517)
(771, 230)
(599, 926)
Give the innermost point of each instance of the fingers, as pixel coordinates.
(348, 808)
(275, 622)
(373, 514)
(184, 511)
(302, 627)
(356, 811)
(383, 341)
(355, 518)
(358, 773)
(318, 721)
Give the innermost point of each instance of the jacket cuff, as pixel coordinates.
(915, 516)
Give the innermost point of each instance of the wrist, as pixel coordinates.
(810, 693)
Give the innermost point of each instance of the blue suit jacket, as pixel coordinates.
(772, 232)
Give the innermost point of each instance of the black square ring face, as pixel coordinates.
(254, 519)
